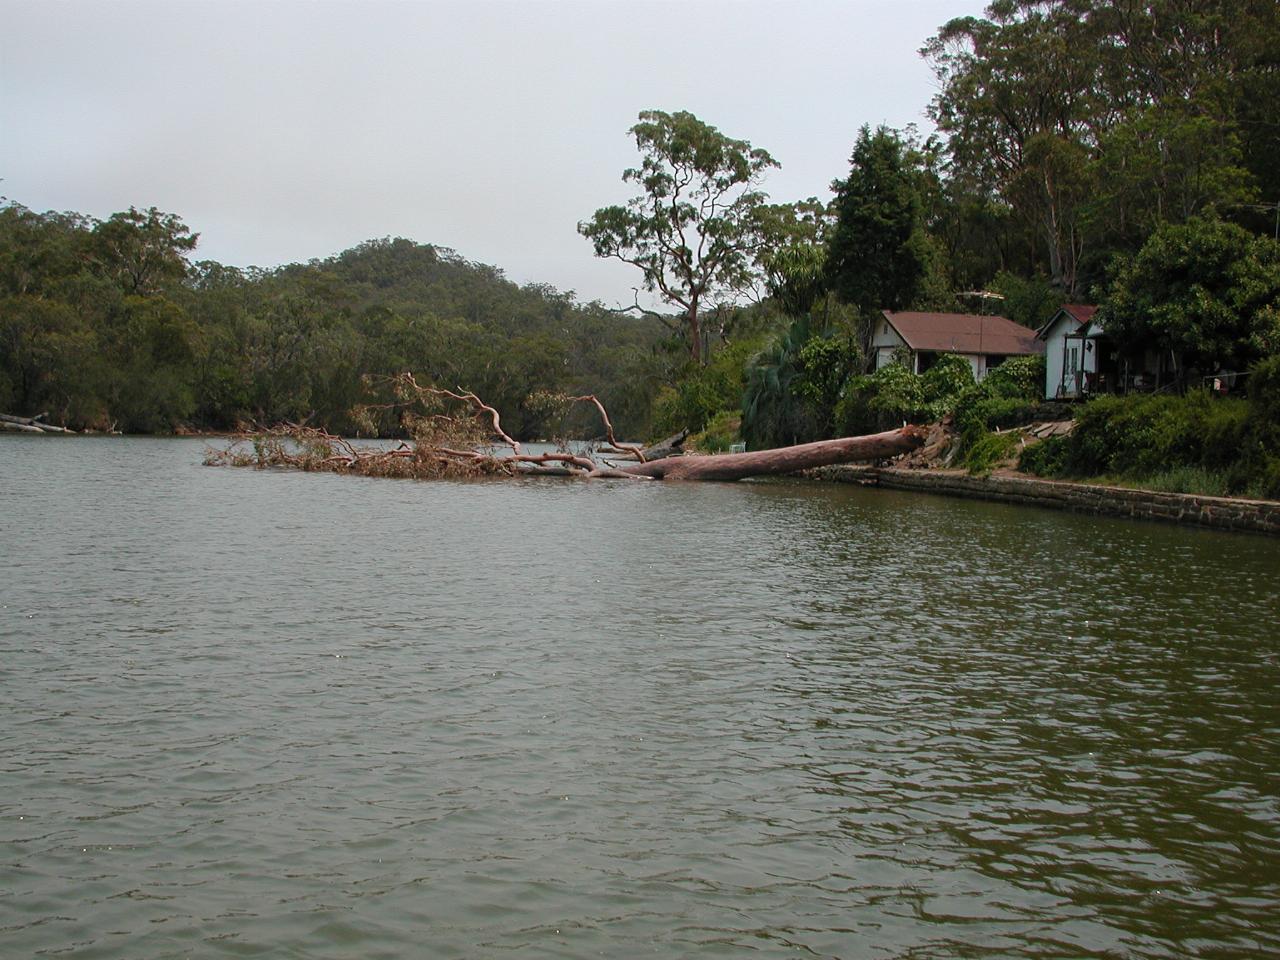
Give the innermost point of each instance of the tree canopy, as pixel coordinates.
(1075, 128)
(1206, 290)
(694, 229)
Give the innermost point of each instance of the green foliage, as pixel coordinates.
(1075, 128)
(989, 450)
(1031, 303)
(693, 229)
(702, 393)
(948, 378)
(1193, 443)
(792, 386)
(1017, 377)
(1142, 436)
(1264, 479)
(1184, 479)
(878, 254)
(1207, 290)
(142, 251)
(893, 395)
(1264, 403)
(106, 323)
(795, 276)
(721, 432)
(1007, 396)
(885, 399)
(1046, 458)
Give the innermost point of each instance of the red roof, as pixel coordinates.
(963, 333)
(1080, 312)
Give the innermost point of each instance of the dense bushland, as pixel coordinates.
(1191, 443)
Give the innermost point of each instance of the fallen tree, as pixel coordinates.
(449, 442)
(34, 424)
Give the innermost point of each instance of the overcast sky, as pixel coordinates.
(282, 131)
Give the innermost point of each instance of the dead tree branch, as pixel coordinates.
(447, 445)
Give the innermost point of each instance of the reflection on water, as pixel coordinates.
(316, 716)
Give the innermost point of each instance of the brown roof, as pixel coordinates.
(963, 333)
(1080, 312)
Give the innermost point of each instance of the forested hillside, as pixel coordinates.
(106, 324)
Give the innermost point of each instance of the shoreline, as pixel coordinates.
(1188, 509)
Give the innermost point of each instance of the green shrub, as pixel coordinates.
(1010, 395)
(1018, 377)
(701, 392)
(1144, 436)
(1184, 479)
(792, 386)
(949, 377)
(981, 413)
(687, 406)
(893, 395)
(879, 401)
(1195, 443)
(1045, 458)
(1265, 481)
(985, 452)
(719, 434)
(1264, 405)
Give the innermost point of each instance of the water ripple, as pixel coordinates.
(313, 716)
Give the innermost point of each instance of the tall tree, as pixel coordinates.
(1018, 108)
(693, 230)
(793, 259)
(878, 250)
(143, 250)
(1093, 122)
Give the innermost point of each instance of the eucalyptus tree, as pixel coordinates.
(694, 229)
(143, 250)
(1093, 122)
(1018, 106)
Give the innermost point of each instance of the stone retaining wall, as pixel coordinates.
(1222, 513)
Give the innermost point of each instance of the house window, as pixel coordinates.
(1074, 363)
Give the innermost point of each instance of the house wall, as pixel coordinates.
(1053, 343)
(1060, 340)
(885, 342)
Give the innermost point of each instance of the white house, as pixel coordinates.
(984, 341)
(1072, 351)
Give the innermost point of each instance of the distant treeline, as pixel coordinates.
(1104, 151)
(106, 323)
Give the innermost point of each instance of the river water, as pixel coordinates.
(260, 713)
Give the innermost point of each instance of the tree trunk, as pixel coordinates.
(694, 327)
(29, 424)
(806, 456)
(672, 446)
